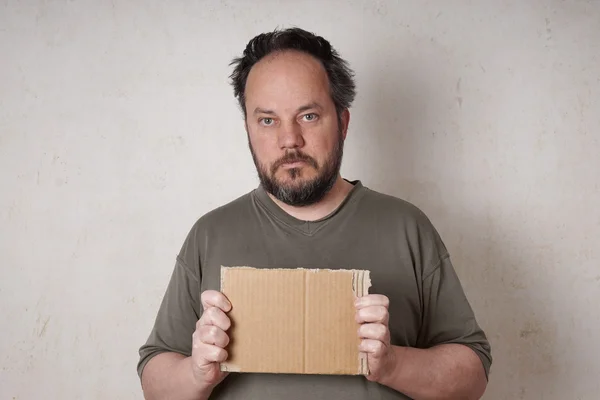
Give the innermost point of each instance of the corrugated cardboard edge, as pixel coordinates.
(227, 366)
(361, 282)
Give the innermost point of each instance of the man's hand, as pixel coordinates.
(210, 339)
(372, 314)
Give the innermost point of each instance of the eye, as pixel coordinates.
(310, 117)
(266, 121)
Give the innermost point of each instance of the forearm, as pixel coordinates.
(169, 376)
(449, 371)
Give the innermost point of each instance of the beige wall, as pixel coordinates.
(118, 129)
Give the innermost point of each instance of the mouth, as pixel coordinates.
(294, 164)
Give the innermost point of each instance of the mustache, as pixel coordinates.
(294, 157)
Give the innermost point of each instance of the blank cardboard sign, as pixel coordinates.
(294, 320)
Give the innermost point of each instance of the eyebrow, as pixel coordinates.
(308, 106)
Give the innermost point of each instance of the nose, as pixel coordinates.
(290, 136)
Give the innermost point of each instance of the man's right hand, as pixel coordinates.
(210, 339)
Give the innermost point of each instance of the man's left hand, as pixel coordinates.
(372, 314)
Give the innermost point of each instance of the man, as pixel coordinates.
(419, 331)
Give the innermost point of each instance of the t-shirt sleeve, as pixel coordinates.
(448, 316)
(177, 316)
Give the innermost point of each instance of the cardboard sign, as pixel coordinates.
(294, 320)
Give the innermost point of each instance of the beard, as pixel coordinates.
(297, 191)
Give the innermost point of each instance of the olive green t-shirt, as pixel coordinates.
(369, 230)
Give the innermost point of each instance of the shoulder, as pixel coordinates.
(227, 214)
(396, 208)
(403, 219)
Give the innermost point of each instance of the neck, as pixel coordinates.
(326, 206)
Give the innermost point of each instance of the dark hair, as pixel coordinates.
(341, 82)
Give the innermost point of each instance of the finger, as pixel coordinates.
(211, 334)
(373, 314)
(372, 300)
(214, 316)
(374, 331)
(210, 353)
(375, 348)
(213, 298)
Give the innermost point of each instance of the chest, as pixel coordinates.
(392, 270)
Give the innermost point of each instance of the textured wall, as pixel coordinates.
(118, 129)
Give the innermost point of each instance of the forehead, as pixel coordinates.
(285, 78)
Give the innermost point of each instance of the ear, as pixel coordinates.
(345, 121)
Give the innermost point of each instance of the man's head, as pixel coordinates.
(294, 91)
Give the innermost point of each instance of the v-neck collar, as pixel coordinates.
(306, 227)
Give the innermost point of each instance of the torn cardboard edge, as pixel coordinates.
(294, 299)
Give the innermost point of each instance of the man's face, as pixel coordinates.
(293, 131)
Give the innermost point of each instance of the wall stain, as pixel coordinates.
(530, 329)
(534, 352)
(522, 393)
(459, 98)
(518, 284)
(548, 31)
(43, 330)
